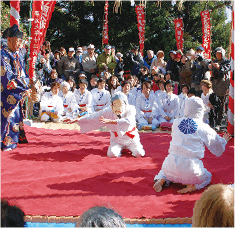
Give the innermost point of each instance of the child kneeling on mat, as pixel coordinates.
(189, 137)
(119, 117)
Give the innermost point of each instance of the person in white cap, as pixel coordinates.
(68, 66)
(189, 138)
(78, 55)
(89, 62)
(119, 117)
(106, 62)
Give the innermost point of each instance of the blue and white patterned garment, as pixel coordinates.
(182, 99)
(12, 73)
(189, 138)
(100, 99)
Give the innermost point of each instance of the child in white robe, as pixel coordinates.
(182, 97)
(67, 97)
(169, 110)
(100, 96)
(82, 99)
(146, 108)
(119, 117)
(51, 105)
(126, 86)
(189, 138)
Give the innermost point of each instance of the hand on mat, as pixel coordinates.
(227, 136)
(103, 120)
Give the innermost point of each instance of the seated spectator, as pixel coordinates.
(149, 59)
(100, 217)
(57, 55)
(146, 108)
(126, 87)
(144, 74)
(169, 107)
(100, 96)
(62, 52)
(156, 79)
(211, 102)
(52, 105)
(81, 101)
(52, 77)
(11, 216)
(113, 85)
(119, 70)
(93, 82)
(72, 83)
(159, 62)
(67, 97)
(182, 97)
(215, 208)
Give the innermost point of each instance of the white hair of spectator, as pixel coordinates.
(150, 51)
(63, 84)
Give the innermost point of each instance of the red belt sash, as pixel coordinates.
(82, 105)
(128, 133)
(146, 111)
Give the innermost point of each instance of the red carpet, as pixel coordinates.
(63, 173)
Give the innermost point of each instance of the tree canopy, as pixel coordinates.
(78, 23)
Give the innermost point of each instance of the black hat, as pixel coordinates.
(192, 91)
(5, 33)
(15, 32)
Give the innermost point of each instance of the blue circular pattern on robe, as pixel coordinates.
(188, 126)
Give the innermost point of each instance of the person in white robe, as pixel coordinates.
(133, 89)
(160, 93)
(182, 98)
(100, 96)
(67, 97)
(82, 99)
(169, 108)
(126, 87)
(189, 138)
(119, 117)
(51, 105)
(146, 108)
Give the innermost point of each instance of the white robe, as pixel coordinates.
(100, 99)
(169, 107)
(183, 164)
(84, 99)
(182, 99)
(67, 99)
(123, 134)
(131, 99)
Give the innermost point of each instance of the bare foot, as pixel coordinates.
(189, 188)
(158, 185)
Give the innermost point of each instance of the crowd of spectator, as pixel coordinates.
(86, 80)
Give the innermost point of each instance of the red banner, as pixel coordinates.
(206, 33)
(179, 33)
(35, 35)
(141, 26)
(105, 39)
(47, 10)
(15, 12)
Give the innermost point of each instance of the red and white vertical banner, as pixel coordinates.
(141, 26)
(47, 10)
(206, 33)
(35, 35)
(179, 33)
(15, 12)
(230, 128)
(105, 39)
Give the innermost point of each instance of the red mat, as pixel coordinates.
(64, 173)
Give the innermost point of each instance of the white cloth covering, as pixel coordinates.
(189, 138)
(100, 99)
(119, 132)
(81, 99)
(131, 99)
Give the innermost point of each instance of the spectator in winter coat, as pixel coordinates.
(159, 62)
(149, 58)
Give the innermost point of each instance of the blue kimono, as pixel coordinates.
(13, 84)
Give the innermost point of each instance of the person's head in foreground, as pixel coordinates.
(119, 102)
(11, 216)
(215, 208)
(100, 217)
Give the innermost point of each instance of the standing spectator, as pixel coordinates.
(106, 62)
(119, 70)
(134, 60)
(211, 102)
(170, 63)
(149, 58)
(159, 62)
(78, 55)
(57, 56)
(220, 77)
(63, 52)
(69, 66)
(89, 62)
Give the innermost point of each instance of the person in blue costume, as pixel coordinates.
(13, 90)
